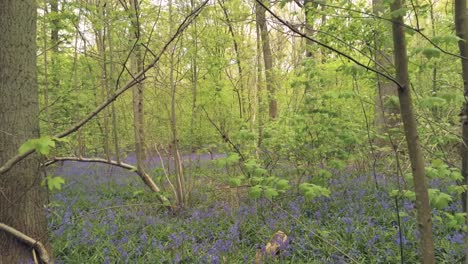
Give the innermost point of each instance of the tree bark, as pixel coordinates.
(179, 172)
(22, 198)
(461, 26)
(268, 60)
(383, 118)
(423, 207)
(137, 90)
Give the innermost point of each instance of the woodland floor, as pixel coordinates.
(105, 214)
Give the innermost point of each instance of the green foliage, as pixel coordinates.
(229, 160)
(41, 145)
(439, 199)
(236, 181)
(270, 187)
(53, 183)
(311, 191)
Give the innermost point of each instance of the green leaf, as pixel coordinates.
(433, 102)
(410, 195)
(271, 192)
(256, 191)
(54, 182)
(431, 52)
(42, 145)
(282, 184)
(399, 12)
(27, 146)
(63, 140)
(235, 181)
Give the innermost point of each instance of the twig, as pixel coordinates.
(36, 245)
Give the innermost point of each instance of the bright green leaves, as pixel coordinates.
(433, 102)
(439, 199)
(282, 184)
(254, 168)
(270, 187)
(446, 39)
(431, 52)
(41, 145)
(410, 195)
(311, 191)
(454, 221)
(270, 192)
(441, 170)
(256, 191)
(53, 183)
(231, 159)
(236, 181)
(399, 12)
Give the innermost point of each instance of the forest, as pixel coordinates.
(233, 131)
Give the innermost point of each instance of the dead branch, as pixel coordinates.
(36, 245)
(143, 175)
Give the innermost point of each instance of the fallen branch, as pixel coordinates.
(36, 245)
(143, 175)
(136, 79)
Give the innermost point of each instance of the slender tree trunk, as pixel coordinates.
(241, 92)
(268, 60)
(137, 91)
(80, 136)
(423, 207)
(22, 198)
(461, 25)
(259, 102)
(54, 39)
(180, 180)
(101, 44)
(46, 70)
(384, 113)
(115, 133)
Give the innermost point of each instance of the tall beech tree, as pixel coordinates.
(22, 198)
(423, 207)
(461, 26)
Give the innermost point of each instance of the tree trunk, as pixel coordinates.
(383, 118)
(409, 122)
(179, 173)
(22, 198)
(268, 60)
(137, 90)
(461, 25)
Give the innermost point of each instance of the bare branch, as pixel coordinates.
(36, 245)
(143, 175)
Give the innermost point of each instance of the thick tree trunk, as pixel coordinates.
(461, 25)
(268, 60)
(423, 207)
(22, 198)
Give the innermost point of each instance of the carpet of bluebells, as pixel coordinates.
(104, 214)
